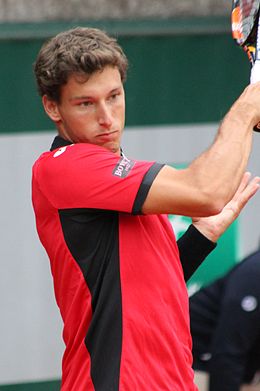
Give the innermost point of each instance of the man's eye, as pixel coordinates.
(114, 96)
(85, 104)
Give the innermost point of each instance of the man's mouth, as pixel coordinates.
(107, 134)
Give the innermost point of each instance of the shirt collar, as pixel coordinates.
(59, 142)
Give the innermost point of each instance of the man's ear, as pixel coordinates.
(51, 108)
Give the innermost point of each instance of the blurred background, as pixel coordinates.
(185, 72)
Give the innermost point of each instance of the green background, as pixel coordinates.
(39, 386)
(178, 73)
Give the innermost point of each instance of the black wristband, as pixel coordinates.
(194, 247)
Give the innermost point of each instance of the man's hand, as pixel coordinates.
(214, 226)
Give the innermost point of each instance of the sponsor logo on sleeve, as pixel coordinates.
(123, 167)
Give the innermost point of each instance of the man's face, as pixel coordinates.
(92, 110)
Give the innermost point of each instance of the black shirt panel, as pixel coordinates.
(92, 238)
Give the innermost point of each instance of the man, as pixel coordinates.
(116, 266)
(225, 327)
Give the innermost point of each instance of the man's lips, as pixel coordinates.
(107, 134)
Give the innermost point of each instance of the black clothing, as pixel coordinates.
(225, 326)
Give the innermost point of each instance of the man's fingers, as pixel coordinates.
(248, 191)
(244, 182)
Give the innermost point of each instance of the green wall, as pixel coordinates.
(178, 74)
(183, 79)
(43, 386)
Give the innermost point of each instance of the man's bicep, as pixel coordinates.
(160, 198)
(176, 192)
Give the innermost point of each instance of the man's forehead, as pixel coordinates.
(105, 81)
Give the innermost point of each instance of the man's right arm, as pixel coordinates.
(212, 179)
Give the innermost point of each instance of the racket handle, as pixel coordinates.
(255, 77)
(255, 72)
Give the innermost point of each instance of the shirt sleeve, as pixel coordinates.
(89, 176)
(193, 248)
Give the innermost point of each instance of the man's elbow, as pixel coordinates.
(213, 202)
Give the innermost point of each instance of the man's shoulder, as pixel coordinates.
(73, 151)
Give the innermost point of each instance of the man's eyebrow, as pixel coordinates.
(86, 97)
(81, 97)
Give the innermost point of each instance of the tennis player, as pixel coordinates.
(119, 275)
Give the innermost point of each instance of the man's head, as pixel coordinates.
(81, 51)
(80, 75)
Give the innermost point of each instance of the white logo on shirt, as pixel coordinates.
(60, 151)
(123, 167)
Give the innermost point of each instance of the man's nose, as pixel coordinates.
(105, 118)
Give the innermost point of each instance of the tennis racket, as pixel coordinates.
(245, 31)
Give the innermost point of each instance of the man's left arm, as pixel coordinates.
(201, 237)
(194, 247)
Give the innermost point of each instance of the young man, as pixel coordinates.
(118, 279)
(225, 327)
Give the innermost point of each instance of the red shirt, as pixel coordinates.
(117, 275)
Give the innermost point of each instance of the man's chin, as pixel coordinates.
(112, 147)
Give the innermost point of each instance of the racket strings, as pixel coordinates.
(248, 7)
(243, 18)
(250, 44)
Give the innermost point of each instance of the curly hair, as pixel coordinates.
(81, 51)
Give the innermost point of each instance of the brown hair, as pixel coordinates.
(80, 50)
